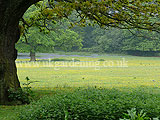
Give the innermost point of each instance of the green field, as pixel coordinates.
(137, 71)
(100, 71)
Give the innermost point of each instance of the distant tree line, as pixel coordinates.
(113, 40)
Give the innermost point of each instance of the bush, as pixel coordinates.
(92, 104)
(101, 60)
(18, 96)
(22, 95)
(61, 59)
(133, 115)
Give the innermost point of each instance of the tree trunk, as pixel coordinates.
(32, 56)
(8, 71)
(10, 13)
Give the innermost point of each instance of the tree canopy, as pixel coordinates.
(116, 40)
(126, 14)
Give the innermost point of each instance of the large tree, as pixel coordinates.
(64, 39)
(11, 11)
(126, 14)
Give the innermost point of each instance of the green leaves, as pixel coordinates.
(122, 14)
(94, 104)
(133, 115)
(64, 39)
(68, 40)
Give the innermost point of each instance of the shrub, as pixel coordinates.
(92, 104)
(61, 59)
(23, 95)
(101, 60)
(18, 96)
(133, 115)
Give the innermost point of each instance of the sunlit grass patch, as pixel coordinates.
(91, 72)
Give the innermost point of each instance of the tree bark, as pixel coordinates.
(8, 71)
(32, 56)
(11, 12)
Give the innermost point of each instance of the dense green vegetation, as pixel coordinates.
(95, 39)
(35, 41)
(92, 104)
(121, 41)
(46, 38)
(68, 103)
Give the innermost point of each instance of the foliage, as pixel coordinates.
(46, 37)
(147, 42)
(109, 40)
(27, 87)
(61, 59)
(122, 41)
(35, 41)
(18, 96)
(87, 35)
(133, 115)
(121, 14)
(68, 40)
(91, 104)
(101, 60)
(22, 95)
(40, 42)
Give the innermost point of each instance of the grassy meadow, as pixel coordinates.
(101, 71)
(120, 72)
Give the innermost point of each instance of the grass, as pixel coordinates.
(141, 71)
(8, 112)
